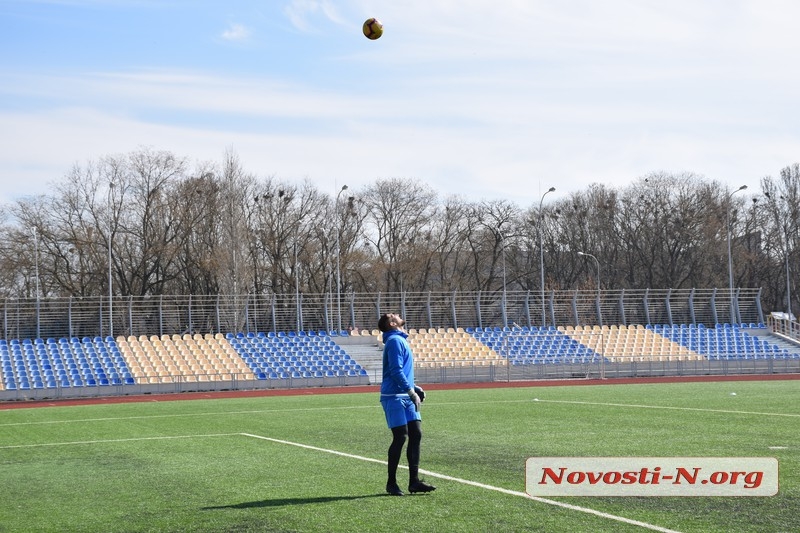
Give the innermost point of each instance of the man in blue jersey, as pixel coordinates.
(401, 400)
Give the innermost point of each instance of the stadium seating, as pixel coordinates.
(440, 347)
(533, 345)
(62, 363)
(621, 343)
(187, 358)
(725, 341)
(294, 355)
(33, 364)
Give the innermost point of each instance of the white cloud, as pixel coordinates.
(489, 99)
(302, 13)
(236, 32)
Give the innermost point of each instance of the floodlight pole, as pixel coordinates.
(541, 254)
(110, 258)
(338, 262)
(599, 314)
(730, 255)
(298, 325)
(503, 257)
(38, 296)
(599, 317)
(788, 281)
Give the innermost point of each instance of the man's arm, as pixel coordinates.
(394, 358)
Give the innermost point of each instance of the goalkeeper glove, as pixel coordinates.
(420, 393)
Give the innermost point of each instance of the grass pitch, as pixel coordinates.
(315, 463)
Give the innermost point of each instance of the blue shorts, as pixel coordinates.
(399, 410)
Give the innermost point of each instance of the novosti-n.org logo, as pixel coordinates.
(651, 476)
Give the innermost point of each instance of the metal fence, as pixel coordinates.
(168, 315)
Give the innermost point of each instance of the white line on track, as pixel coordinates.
(586, 510)
(673, 408)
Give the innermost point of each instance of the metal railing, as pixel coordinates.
(168, 315)
(784, 326)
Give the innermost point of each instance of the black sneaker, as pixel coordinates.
(420, 486)
(393, 489)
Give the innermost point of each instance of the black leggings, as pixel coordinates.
(414, 432)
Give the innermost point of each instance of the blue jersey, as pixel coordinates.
(398, 364)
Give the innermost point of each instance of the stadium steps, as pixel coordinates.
(782, 342)
(367, 353)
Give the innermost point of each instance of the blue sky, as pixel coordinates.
(489, 100)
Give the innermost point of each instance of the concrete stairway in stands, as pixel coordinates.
(366, 351)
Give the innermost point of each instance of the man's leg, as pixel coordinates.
(395, 451)
(413, 450)
(412, 454)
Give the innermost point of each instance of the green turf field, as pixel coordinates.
(315, 462)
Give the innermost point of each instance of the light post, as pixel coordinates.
(503, 258)
(541, 253)
(338, 262)
(110, 279)
(730, 256)
(298, 324)
(599, 314)
(38, 298)
(788, 281)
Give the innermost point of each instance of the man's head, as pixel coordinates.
(390, 321)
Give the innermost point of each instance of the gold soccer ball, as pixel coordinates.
(373, 29)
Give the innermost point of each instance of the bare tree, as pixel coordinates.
(781, 238)
(291, 238)
(400, 213)
(198, 246)
(142, 228)
(450, 269)
(158, 227)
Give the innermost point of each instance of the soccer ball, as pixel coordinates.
(373, 29)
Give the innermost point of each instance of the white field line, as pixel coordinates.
(373, 406)
(701, 409)
(105, 441)
(376, 405)
(475, 484)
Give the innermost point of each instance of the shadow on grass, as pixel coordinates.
(280, 502)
